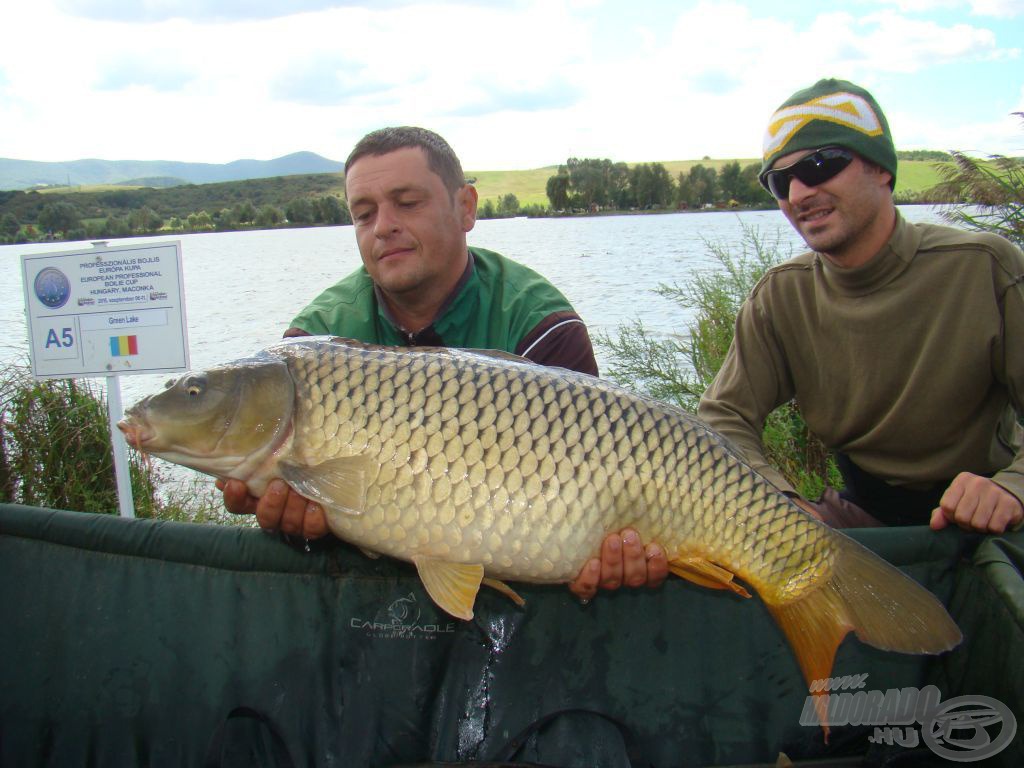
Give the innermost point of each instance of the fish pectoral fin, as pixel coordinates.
(370, 553)
(706, 574)
(336, 483)
(505, 589)
(453, 586)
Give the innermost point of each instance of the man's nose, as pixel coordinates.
(798, 191)
(386, 223)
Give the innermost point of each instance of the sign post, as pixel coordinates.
(107, 312)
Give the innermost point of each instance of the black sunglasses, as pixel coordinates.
(812, 170)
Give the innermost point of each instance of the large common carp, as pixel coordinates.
(479, 467)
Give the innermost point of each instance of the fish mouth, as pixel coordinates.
(135, 434)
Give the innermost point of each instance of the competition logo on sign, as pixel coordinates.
(52, 288)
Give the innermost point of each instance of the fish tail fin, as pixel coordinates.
(865, 594)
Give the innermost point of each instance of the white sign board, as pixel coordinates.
(106, 311)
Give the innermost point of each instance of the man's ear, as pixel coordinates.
(884, 177)
(465, 204)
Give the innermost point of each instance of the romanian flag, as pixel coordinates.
(124, 346)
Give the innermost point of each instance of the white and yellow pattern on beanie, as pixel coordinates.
(831, 113)
(846, 109)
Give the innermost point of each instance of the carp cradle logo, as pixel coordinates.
(52, 287)
(963, 729)
(400, 620)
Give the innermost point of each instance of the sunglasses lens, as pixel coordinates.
(778, 183)
(817, 168)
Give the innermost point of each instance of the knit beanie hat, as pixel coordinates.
(830, 113)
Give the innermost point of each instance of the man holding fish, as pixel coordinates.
(903, 344)
(480, 468)
(421, 285)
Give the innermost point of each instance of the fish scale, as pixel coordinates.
(616, 463)
(478, 467)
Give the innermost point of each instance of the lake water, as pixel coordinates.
(243, 288)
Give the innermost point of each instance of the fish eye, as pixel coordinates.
(194, 385)
(170, 383)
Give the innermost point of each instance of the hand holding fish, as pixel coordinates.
(975, 503)
(279, 508)
(624, 561)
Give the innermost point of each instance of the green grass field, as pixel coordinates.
(530, 186)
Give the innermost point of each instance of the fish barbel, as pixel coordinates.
(481, 467)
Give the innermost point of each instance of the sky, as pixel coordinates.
(511, 84)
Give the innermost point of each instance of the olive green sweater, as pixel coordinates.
(912, 364)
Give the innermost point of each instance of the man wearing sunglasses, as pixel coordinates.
(903, 344)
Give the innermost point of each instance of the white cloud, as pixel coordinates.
(520, 83)
(1004, 9)
(222, 11)
(888, 42)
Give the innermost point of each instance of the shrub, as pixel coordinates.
(678, 369)
(985, 195)
(55, 451)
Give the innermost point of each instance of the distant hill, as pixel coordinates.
(156, 182)
(26, 174)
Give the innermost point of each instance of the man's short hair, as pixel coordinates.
(441, 158)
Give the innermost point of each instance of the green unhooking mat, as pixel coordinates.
(138, 643)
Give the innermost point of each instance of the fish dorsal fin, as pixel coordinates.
(497, 354)
(500, 354)
(338, 484)
(453, 586)
(705, 574)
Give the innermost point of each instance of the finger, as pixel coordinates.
(657, 565)
(634, 560)
(237, 500)
(585, 585)
(314, 524)
(939, 519)
(951, 498)
(611, 561)
(294, 513)
(270, 508)
(982, 515)
(808, 507)
(965, 510)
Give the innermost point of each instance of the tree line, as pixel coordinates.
(580, 185)
(302, 200)
(590, 184)
(65, 219)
